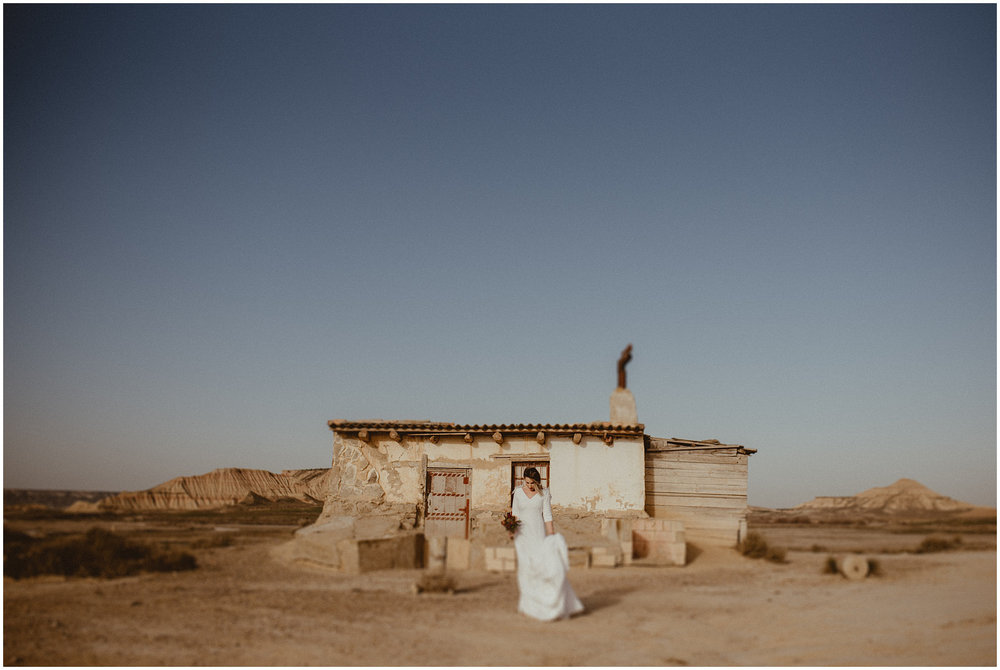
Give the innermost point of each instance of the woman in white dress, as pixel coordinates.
(542, 556)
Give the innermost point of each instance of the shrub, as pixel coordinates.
(214, 541)
(933, 544)
(755, 546)
(435, 582)
(98, 553)
(874, 568)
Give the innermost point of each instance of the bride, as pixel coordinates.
(542, 556)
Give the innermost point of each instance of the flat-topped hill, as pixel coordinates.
(220, 488)
(904, 498)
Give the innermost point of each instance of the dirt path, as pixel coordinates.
(243, 607)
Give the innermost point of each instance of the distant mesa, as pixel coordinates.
(224, 487)
(906, 497)
(40, 499)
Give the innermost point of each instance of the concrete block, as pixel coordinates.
(491, 561)
(604, 557)
(660, 541)
(579, 558)
(457, 556)
(627, 550)
(678, 554)
(401, 551)
(500, 559)
(436, 553)
(350, 560)
(507, 553)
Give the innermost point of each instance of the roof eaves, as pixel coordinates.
(441, 427)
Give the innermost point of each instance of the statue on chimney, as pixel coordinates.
(625, 358)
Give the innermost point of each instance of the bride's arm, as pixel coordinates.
(547, 513)
(515, 508)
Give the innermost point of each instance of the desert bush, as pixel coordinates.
(817, 548)
(776, 554)
(435, 582)
(98, 553)
(933, 544)
(830, 566)
(214, 541)
(874, 568)
(755, 546)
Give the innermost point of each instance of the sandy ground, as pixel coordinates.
(244, 607)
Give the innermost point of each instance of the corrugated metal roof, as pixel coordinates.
(430, 427)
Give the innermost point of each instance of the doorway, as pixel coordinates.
(517, 472)
(447, 505)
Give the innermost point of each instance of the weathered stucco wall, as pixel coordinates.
(596, 476)
(591, 475)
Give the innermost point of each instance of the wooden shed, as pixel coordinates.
(702, 484)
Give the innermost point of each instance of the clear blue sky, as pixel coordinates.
(226, 225)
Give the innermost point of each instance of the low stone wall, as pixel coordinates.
(388, 540)
(659, 541)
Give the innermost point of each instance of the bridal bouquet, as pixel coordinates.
(510, 522)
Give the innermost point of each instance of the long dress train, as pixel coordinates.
(542, 561)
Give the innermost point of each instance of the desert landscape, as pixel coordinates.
(930, 601)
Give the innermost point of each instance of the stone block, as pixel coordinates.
(677, 554)
(500, 559)
(660, 541)
(435, 553)
(457, 553)
(400, 551)
(491, 562)
(579, 558)
(627, 551)
(604, 557)
(507, 553)
(350, 560)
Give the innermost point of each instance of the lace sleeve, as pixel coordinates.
(546, 506)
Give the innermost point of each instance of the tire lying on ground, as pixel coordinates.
(853, 567)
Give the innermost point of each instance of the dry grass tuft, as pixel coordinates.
(98, 553)
(933, 544)
(435, 582)
(755, 546)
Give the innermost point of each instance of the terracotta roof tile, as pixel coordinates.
(345, 425)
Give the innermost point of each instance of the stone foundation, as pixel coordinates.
(386, 541)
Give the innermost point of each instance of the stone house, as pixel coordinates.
(413, 493)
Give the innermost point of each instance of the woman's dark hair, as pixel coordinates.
(532, 474)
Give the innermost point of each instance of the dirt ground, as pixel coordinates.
(245, 607)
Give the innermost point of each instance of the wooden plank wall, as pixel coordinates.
(703, 487)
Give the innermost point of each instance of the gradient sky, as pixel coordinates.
(226, 225)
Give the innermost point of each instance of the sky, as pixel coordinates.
(225, 225)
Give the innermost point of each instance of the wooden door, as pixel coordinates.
(447, 505)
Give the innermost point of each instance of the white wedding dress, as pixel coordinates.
(542, 561)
